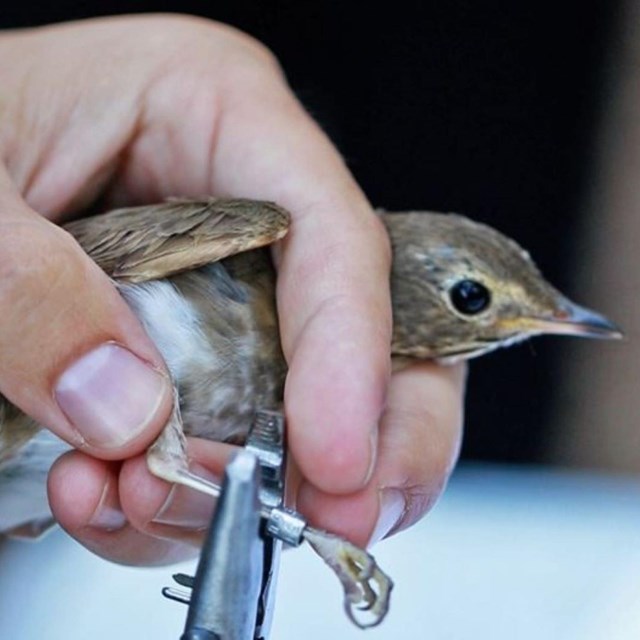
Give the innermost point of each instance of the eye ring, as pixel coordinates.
(469, 297)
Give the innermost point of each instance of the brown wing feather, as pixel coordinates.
(149, 242)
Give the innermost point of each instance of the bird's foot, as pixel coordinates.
(367, 589)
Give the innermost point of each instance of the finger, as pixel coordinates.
(172, 511)
(333, 292)
(95, 517)
(72, 354)
(419, 443)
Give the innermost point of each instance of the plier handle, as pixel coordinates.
(232, 594)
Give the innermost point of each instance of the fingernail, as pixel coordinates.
(110, 395)
(108, 515)
(187, 508)
(392, 508)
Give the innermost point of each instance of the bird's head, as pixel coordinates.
(461, 289)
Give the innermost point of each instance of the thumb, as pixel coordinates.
(72, 354)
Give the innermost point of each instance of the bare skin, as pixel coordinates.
(136, 109)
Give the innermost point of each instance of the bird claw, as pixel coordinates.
(366, 587)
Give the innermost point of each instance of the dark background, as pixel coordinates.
(485, 108)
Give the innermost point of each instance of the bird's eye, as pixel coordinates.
(469, 297)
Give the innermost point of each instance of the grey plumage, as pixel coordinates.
(220, 342)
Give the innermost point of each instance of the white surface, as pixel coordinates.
(507, 555)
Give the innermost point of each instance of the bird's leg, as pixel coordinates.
(167, 456)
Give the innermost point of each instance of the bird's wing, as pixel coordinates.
(150, 242)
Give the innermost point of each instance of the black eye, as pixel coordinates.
(469, 297)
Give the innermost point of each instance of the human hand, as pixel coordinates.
(133, 110)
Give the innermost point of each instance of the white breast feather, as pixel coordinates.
(172, 323)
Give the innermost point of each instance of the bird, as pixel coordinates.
(198, 275)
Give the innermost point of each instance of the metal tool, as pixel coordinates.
(233, 591)
(232, 595)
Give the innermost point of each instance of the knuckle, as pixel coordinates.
(244, 49)
(193, 36)
(255, 50)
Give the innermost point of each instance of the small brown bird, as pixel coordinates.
(195, 275)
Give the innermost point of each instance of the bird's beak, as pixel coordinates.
(572, 319)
